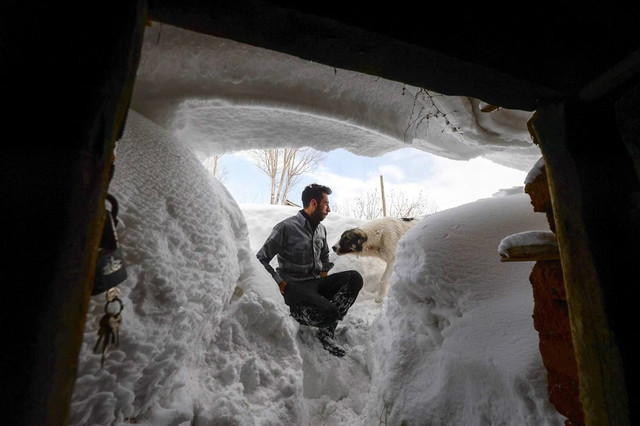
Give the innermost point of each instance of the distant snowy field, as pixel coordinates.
(207, 340)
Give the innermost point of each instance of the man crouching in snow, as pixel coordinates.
(300, 242)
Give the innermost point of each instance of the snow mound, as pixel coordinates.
(455, 342)
(196, 326)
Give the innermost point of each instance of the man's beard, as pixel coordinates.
(317, 216)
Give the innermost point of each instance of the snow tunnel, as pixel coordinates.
(202, 95)
(582, 83)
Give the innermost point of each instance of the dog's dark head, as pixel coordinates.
(350, 242)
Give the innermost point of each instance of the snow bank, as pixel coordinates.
(454, 342)
(198, 319)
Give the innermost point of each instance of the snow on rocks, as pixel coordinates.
(535, 171)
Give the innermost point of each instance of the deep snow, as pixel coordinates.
(206, 338)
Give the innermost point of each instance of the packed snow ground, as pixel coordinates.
(207, 340)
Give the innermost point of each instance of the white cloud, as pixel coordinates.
(392, 173)
(459, 182)
(447, 183)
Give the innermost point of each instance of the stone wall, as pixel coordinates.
(551, 319)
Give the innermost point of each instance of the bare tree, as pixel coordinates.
(401, 205)
(367, 206)
(267, 161)
(284, 167)
(211, 164)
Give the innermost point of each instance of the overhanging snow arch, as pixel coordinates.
(195, 85)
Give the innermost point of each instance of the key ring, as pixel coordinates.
(115, 299)
(112, 293)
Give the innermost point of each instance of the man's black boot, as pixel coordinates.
(326, 337)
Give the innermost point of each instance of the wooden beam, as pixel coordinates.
(591, 179)
(68, 75)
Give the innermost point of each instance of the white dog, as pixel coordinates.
(378, 238)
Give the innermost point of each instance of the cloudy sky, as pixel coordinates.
(447, 183)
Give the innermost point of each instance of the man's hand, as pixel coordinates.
(323, 274)
(282, 285)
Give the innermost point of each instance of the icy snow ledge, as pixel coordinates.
(529, 245)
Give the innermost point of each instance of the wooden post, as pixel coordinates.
(591, 189)
(384, 204)
(53, 187)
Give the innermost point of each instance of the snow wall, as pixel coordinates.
(204, 341)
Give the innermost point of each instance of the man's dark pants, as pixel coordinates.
(322, 302)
